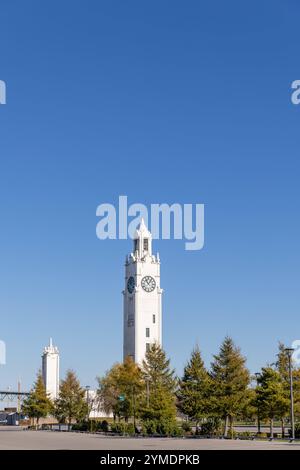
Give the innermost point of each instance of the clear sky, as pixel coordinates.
(175, 101)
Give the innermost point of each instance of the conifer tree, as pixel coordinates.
(159, 407)
(194, 389)
(271, 396)
(230, 383)
(71, 403)
(37, 405)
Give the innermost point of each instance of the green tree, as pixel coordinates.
(120, 389)
(158, 408)
(271, 396)
(131, 385)
(282, 366)
(71, 404)
(195, 389)
(37, 405)
(108, 392)
(230, 383)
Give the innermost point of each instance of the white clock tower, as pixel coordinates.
(142, 297)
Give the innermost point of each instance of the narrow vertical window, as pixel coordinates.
(146, 244)
(147, 332)
(153, 317)
(147, 346)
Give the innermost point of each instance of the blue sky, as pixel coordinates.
(184, 102)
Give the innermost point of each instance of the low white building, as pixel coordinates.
(95, 406)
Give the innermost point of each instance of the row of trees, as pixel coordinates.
(152, 396)
(212, 399)
(147, 393)
(70, 406)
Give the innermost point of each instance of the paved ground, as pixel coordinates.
(14, 438)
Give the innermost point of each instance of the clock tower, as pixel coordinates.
(142, 297)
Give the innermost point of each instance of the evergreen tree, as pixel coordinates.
(271, 396)
(71, 403)
(37, 405)
(158, 409)
(195, 389)
(230, 383)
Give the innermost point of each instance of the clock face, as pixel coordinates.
(130, 285)
(148, 283)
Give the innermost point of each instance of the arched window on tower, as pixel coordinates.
(146, 244)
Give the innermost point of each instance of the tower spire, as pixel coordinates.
(142, 240)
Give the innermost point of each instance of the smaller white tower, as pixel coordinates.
(50, 370)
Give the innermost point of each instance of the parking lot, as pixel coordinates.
(15, 438)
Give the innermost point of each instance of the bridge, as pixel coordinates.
(9, 395)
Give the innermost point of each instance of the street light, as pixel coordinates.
(289, 352)
(87, 388)
(147, 379)
(257, 375)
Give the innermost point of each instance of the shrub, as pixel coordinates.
(232, 434)
(118, 428)
(166, 427)
(130, 429)
(104, 426)
(149, 427)
(297, 431)
(80, 426)
(245, 434)
(262, 435)
(186, 426)
(211, 427)
(177, 431)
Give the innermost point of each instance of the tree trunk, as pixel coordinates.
(231, 426)
(271, 428)
(282, 428)
(226, 426)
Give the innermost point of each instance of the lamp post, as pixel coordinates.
(133, 405)
(87, 388)
(147, 379)
(257, 375)
(289, 352)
